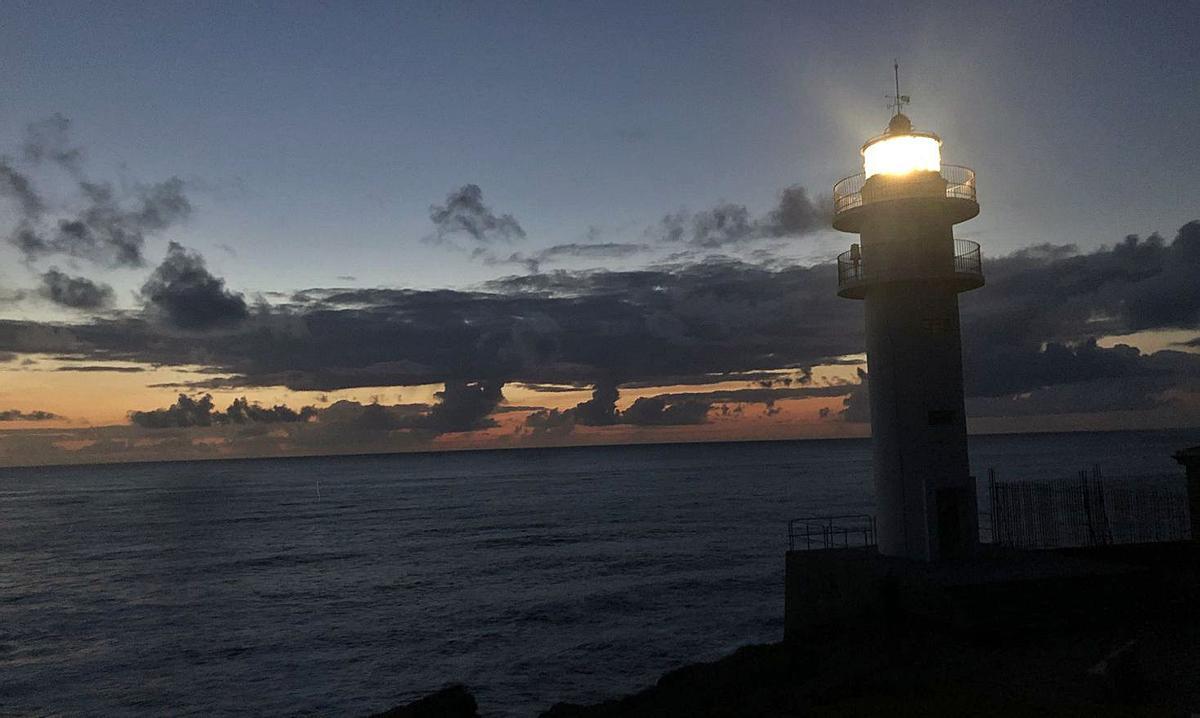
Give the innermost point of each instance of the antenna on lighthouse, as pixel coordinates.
(898, 101)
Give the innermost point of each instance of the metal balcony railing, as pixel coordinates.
(967, 259)
(855, 271)
(851, 268)
(824, 532)
(849, 194)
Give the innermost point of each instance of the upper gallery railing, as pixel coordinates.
(848, 192)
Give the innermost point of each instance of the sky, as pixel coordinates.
(464, 225)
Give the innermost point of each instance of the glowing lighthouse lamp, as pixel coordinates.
(901, 150)
(909, 269)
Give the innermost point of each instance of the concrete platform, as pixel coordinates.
(1001, 591)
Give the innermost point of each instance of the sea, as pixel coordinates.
(345, 586)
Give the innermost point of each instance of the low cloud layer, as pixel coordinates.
(460, 407)
(1032, 328)
(199, 411)
(18, 415)
(533, 261)
(601, 410)
(1036, 322)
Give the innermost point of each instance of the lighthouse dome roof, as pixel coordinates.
(899, 124)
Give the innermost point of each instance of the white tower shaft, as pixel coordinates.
(910, 269)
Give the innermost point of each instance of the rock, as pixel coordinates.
(453, 701)
(1120, 674)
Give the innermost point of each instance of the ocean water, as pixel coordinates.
(341, 586)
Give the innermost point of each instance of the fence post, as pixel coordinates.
(1087, 507)
(997, 519)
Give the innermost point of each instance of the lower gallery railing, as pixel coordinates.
(853, 268)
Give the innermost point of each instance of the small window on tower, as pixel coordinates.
(941, 417)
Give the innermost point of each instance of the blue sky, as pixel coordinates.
(316, 136)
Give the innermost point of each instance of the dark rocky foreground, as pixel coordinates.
(1132, 649)
(1152, 669)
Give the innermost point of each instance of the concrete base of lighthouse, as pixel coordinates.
(999, 592)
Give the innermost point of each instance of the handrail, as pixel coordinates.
(820, 532)
(848, 191)
(853, 268)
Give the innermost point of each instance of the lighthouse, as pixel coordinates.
(908, 269)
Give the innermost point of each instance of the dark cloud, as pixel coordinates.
(18, 415)
(106, 229)
(656, 411)
(74, 292)
(96, 368)
(797, 375)
(575, 250)
(601, 410)
(462, 406)
(1036, 322)
(722, 225)
(48, 140)
(200, 411)
(374, 417)
(856, 406)
(1017, 368)
(465, 213)
(760, 395)
(731, 224)
(796, 214)
(553, 388)
(18, 188)
(244, 412)
(186, 411)
(1030, 336)
(186, 296)
(551, 422)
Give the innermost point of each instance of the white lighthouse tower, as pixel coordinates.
(909, 270)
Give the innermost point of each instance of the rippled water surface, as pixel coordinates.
(341, 586)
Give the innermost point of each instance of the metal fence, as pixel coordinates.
(822, 532)
(1089, 510)
(967, 259)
